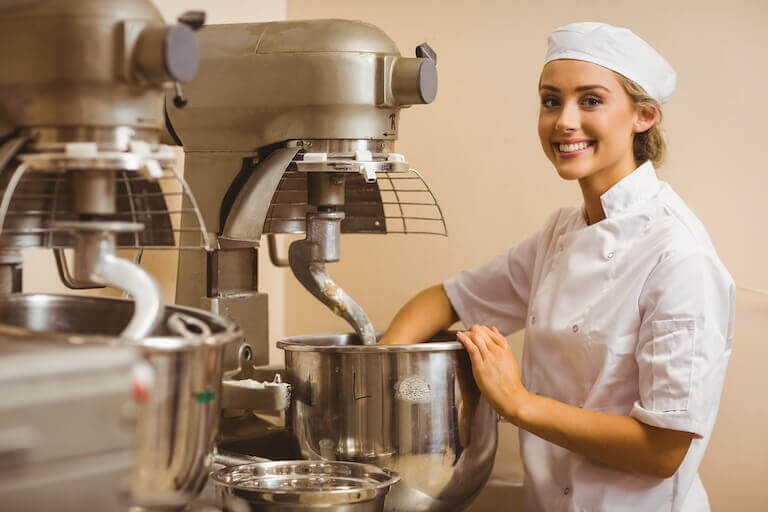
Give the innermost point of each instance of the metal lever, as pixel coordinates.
(66, 276)
(179, 100)
(274, 257)
(308, 258)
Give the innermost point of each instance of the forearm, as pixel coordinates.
(427, 313)
(619, 441)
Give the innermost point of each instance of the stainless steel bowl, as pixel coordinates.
(297, 486)
(177, 421)
(414, 409)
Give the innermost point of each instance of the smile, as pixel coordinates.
(572, 149)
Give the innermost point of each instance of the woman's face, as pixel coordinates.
(586, 121)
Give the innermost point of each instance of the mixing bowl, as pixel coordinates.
(414, 409)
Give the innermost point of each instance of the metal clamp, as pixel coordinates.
(250, 394)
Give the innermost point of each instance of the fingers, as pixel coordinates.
(484, 343)
(498, 338)
(472, 349)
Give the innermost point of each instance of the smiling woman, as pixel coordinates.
(588, 125)
(627, 310)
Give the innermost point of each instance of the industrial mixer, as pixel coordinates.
(134, 386)
(290, 128)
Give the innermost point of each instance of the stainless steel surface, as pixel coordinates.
(274, 255)
(226, 458)
(8, 278)
(9, 148)
(253, 199)
(326, 188)
(94, 192)
(66, 277)
(114, 138)
(344, 148)
(67, 428)
(249, 311)
(96, 263)
(414, 409)
(295, 486)
(308, 258)
(337, 85)
(177, 421)
(80, 63)
(254, 395)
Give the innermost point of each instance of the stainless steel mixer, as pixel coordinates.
(290, 128)
(81, 168)
(80, 115)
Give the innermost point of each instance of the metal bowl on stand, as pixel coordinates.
(298, 486)
(178, 410)
(413, 409)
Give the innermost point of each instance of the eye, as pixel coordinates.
(549, 102)
(592, 101)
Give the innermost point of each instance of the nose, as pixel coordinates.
(568, 120)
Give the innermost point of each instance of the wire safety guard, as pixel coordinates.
(36, 195)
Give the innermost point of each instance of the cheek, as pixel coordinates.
(545, 129)
(614, 128)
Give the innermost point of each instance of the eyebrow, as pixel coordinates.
(578, 89)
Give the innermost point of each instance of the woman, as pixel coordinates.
(628, 311)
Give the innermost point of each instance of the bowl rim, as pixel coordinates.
(304, 343)
(166, 343)
(335, 496)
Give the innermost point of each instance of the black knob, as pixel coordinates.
(179, 100)
(193, 19)
(424, 51)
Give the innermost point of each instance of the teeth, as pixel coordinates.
(570, 148)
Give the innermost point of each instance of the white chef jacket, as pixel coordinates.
(632, 315)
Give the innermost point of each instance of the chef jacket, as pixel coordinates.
(632, 315)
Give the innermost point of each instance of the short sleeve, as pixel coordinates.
(686, 335)
(496, 293)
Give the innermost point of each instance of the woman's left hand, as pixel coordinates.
(495, 369)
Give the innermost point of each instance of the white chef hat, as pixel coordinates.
(617, 49)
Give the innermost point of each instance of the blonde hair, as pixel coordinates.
(650, 144)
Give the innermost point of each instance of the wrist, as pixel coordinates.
(516, 410)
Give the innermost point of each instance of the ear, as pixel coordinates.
(645, 116)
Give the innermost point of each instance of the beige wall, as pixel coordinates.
(478, 148)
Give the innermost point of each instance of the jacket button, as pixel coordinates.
(533, 320)
(575, 328)
(567, 491)
(610, 255)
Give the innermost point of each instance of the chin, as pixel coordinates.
(570, 171)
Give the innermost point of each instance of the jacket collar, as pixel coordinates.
(639, 186)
